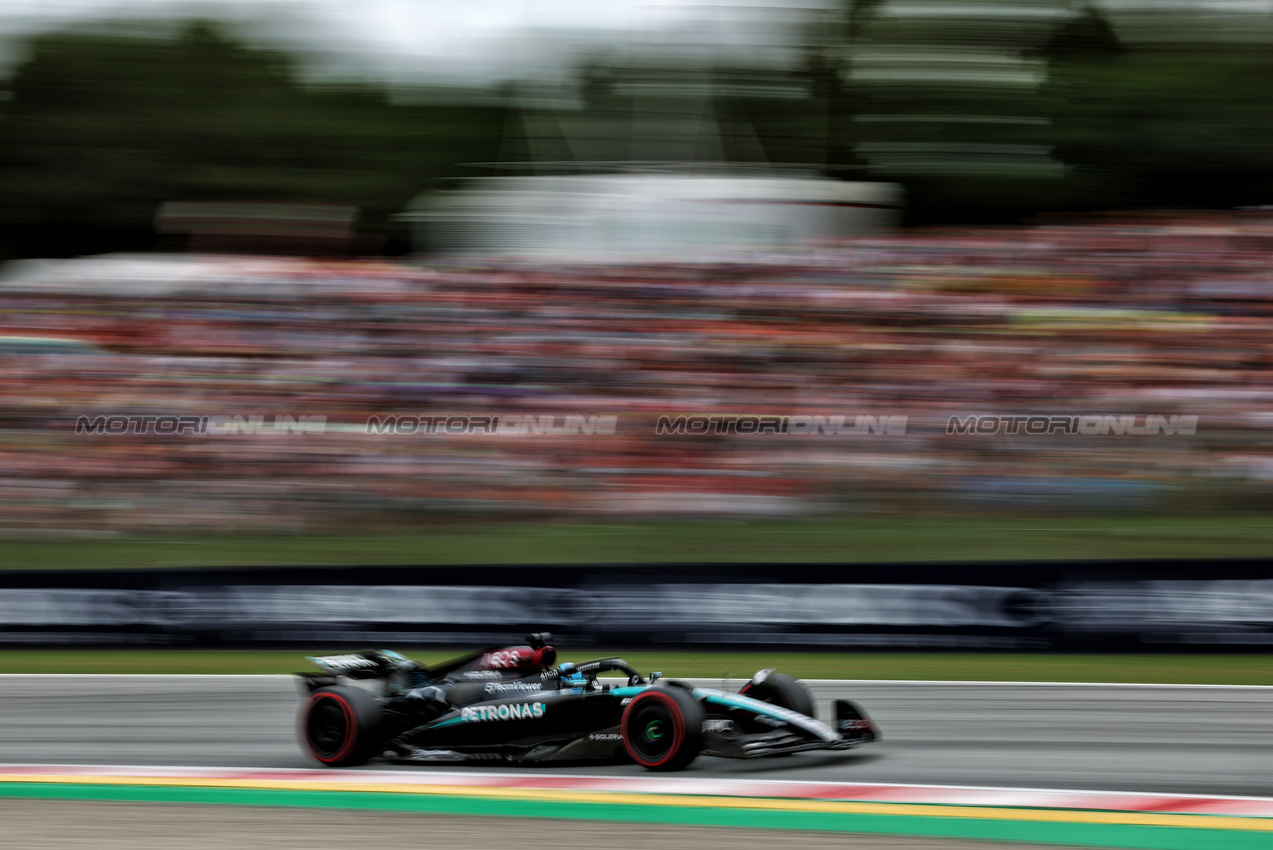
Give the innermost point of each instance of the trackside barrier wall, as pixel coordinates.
(1002, 606)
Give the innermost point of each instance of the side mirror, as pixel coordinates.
(654, 677)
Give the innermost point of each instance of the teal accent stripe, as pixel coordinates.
(988, 829)
(629, 690)
(451, 722)
(754, 706)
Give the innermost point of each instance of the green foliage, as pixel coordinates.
(856, 539)
(1166, 128)
(101, 128)
(1155, 125)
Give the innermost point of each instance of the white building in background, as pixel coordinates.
(647, 216)
(654, 157)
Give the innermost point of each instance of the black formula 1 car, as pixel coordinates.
(516, 704)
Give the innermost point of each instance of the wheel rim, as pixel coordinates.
(328, 727)
(655, 729)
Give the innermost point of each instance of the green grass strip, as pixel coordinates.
(1076, 834)
(1205, 669)
(856, 538)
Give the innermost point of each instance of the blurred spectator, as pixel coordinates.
(1160, 315)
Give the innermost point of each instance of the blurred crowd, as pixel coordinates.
(1167, 315)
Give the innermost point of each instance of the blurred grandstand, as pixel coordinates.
(1149, 315)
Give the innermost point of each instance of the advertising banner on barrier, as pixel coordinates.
(642, 605)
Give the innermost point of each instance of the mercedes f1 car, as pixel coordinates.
(516, 704)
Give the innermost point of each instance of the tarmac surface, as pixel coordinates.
(1208, 740)
(1166, 739)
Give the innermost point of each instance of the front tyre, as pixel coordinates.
(339, 725)
(662, 728)
(781, 690)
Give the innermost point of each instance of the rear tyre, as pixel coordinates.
(340, 725)
(662, 728)
(782, 690)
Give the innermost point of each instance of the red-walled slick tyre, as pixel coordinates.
(339, 725)
(663, 728)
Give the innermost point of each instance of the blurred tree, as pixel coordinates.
(102, 127)
(999, 112)
(1180, 125)
(1086, 36)
(943, 100)
(987, 115)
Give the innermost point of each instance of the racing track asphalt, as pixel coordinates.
(1169, 739)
